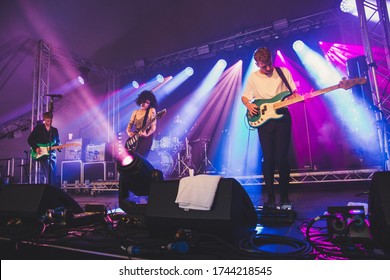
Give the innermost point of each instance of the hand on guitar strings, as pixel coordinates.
(308, 96)
(252, 108)
(143, 133)
(131, 134)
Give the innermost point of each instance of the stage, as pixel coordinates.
(106, 232)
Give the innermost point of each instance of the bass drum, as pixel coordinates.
(162, 161)
(166, 142)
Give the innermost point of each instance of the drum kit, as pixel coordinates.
(172, 154)
(174, 157)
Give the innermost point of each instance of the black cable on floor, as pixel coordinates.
(275, 246)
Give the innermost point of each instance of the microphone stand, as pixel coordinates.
(49, 173)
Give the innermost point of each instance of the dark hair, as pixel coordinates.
(47, 115)
(147, 95)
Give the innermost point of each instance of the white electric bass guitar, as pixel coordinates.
(268, 107)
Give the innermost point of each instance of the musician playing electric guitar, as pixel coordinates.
(41, 139)
(275, 134)
(139, 119)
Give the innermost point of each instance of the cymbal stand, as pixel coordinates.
(206, 166)
(180, 161)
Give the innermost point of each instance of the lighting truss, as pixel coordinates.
(315, 177)
(60, 54)
(19, 124)
(378, 35)
(356, 175)
(242, 39)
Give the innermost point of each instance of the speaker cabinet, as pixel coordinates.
(72, 171)
(99, 171)
(357, 68)
(31, 201)
(379, 208)
(232, 215)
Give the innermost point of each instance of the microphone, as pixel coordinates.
(54, 95)
(181, 247)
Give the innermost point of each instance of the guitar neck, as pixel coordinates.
(300, 98)
(287, 102)
(61, 146)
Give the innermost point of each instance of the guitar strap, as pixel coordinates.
(281, 75)
(145, 118)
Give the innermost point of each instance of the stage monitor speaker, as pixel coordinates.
(379, 208)
(357, 68)
(231, 217)
(31, 201)
(348, 223)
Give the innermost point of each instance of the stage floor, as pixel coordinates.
(300, 233)
(309, 201)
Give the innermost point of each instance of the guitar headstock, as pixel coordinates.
(348, 83)
(161, 114)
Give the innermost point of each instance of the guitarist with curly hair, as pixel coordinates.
(142, 124)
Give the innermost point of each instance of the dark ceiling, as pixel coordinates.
(116, 33)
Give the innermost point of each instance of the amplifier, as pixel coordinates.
(97, 152)
(72, 171)
(100, 171)
(75, 149)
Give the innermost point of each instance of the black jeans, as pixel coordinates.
(275, 138)
(50, 169)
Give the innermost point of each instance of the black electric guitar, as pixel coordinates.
(268, 107)
(131, 143)
(45, 149)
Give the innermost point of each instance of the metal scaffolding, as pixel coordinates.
(45, 53)
(377, 34)
(245, 38)
(41, 102)
(357, 175)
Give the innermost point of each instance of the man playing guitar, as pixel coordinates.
(41, 139)
(275, 134)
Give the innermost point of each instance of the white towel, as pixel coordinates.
(197, 192)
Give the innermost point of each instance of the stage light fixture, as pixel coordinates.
(83, 76)
(135, 175)
(203, 50)
(222, 63)
(135, 84)
(189, 71)
(160, 78)
(298, 45)
(280, 24)
(139, 63)
(348, 6)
